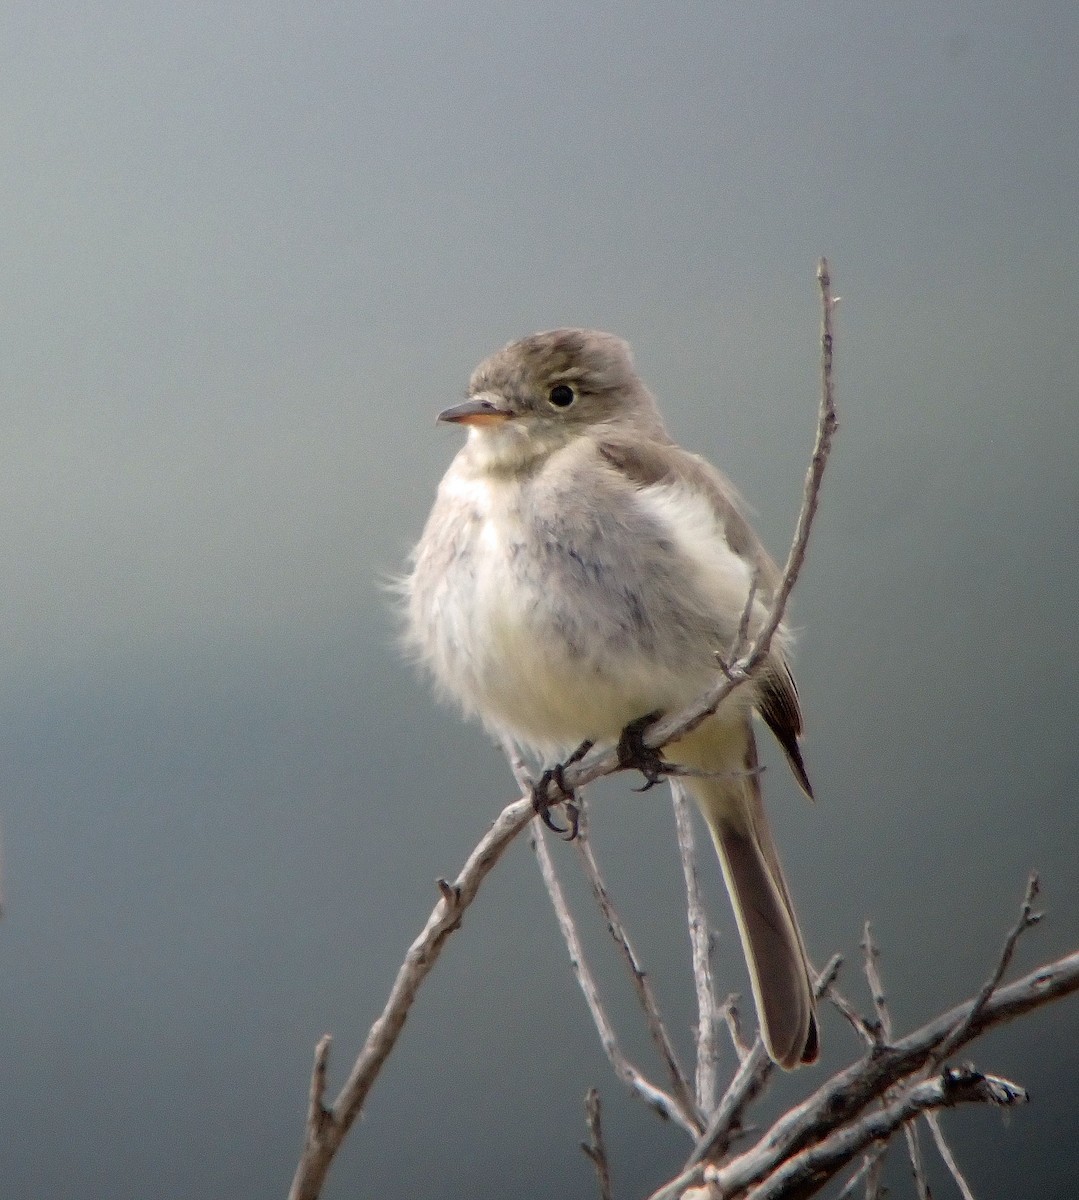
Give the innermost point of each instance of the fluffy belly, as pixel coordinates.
(557, 628)
(546, 648)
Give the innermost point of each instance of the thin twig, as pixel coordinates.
(665, 1104)
(318, 1115)
(595, 1147)
(642, 985)
(875, 1174)
(917, 1165)
(700, 945)
(1027, 918)
(742, 640)
(932, 1119)
(322, 1144)
(619, 933)
(866, 1030)
(876, 984)
(883, 1032)
(869, 1167)
(827, 423)
(518, 766)
(731, 1015)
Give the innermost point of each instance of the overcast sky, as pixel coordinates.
(249, 251)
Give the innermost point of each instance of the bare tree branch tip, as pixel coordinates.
(828, 976)
(318, 1074)
(595, 1148)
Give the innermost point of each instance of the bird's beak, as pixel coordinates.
(479, 410)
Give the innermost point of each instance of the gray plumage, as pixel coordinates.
(580, 570)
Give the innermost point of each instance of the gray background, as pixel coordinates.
(248, 252)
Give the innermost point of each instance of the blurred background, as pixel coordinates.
(249, 252)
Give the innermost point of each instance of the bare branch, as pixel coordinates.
(866, 1030)
(874, 1175)
(816, 1164)
(700, 946)
(642, 985)
(917, 1166)
(884, 1036)
(839, 1105)
(1027, 918)
(318, 1116)
(595, 1147)
(932, 1119)
(518, 766)
(731, 1017)
(876, 984)
(747, 611)
(666, 1105)
(322, 1142)
(742, 669)
(682, 1096)
(869, 1171)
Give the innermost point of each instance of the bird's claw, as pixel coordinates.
(636, 756)
(542, 803)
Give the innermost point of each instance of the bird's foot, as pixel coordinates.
(636, 756)
(542, 802)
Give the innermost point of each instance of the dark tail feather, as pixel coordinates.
(775, 953)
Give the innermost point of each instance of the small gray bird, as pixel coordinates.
(579, 571)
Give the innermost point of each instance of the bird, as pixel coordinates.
(581, 574)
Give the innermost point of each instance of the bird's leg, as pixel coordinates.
(543, 804)
(636, 756)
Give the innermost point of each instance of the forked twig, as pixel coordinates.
(884, 1032)
(838, 1109)
(326, 1127)
(663, 1102)
(867, 1031)
(1027, 918)
(619, 933)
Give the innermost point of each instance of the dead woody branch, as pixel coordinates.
(839, 1121)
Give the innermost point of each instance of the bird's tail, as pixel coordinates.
(779, 968)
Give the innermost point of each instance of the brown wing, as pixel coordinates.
(778, 706)
(647, 464)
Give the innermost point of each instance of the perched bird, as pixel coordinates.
(579, 573)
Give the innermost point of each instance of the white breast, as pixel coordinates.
(555, 663)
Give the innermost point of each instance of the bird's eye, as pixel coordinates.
(561, 395)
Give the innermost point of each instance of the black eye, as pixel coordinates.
(561, 395)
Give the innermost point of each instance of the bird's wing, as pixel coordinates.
(645, 465)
